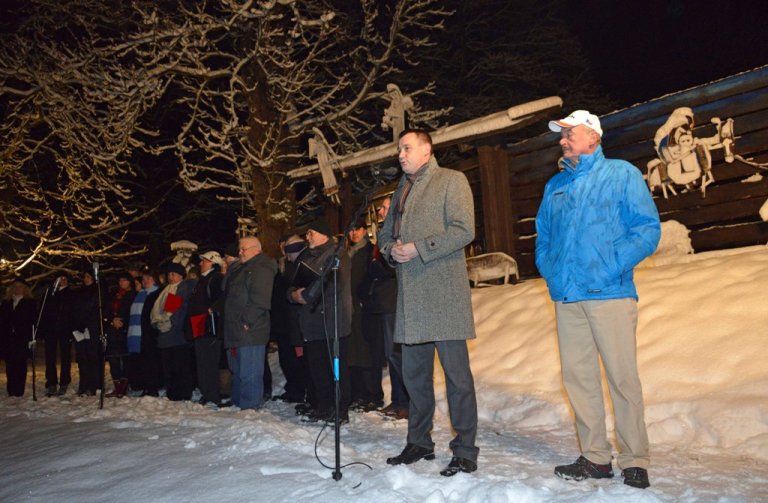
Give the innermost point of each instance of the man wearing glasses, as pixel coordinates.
(246, 321)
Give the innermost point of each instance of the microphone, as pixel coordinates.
(96, 271)
(56, 286)
(385, 172)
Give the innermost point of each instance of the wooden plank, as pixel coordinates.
(525, 245)
(717, 213)
(730, 86)
(715, 195)
(730, 237)
(525, 228)
(526, 265)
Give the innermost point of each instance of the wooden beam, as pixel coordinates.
(498, 220)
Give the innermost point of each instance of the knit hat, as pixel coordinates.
(295, 247)
(321, 226)
(212, 256)
(177, 268)
(232, 250)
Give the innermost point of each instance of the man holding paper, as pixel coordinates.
(168, 315)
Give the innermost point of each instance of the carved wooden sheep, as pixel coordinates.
(491, 266)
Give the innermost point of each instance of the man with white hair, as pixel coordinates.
(246, 322)
(596, 222)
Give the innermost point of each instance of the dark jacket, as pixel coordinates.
(248, 301)
(148, 332)
(365, 347)
(316, 317)
(16, 327)
(378, 292)
(281, 307)
(117, 338)
(56, 321)
(206, 292)
(86, 311)
(294, 310)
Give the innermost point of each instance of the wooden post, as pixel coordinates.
(498, 220)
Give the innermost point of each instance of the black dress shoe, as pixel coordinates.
(411, 454)
(458, 465)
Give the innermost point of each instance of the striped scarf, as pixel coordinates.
(134, 321)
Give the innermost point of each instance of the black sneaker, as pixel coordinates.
(636, 477)
(584, 469)
(458, 465)
(411, 454)
(303, 408)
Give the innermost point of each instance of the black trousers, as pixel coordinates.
(208, 353)
(321, 370)
(177, 370)
(88, 363)
(52, 344)
(366, 384)
(16, 370)
(292, 367)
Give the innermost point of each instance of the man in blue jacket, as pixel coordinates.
(596, 222)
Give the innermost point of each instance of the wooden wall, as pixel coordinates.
(726, 218)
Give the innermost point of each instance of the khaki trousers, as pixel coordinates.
(607, 327)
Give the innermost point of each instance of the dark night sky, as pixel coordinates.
(643, 50)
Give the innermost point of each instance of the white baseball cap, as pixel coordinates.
(579, 117)
(212, 256)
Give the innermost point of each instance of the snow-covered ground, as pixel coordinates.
(702, 346)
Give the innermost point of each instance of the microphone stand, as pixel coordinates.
(103, 366)
(333, 264)
(34, 343)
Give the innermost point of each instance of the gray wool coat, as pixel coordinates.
(433, 302)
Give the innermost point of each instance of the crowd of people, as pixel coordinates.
(397, 302)
(170, 332)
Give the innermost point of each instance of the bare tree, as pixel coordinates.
(91, 90)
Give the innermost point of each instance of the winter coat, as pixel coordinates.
(316, 317)
(294, 310)
(175, 336)
(365, 347)
(596, 222)
(206, 292)
(433, 296)
(117, 338)
(281, 308)
(16, 328)
(378, 291)
(149, 332)
(57, 321)
(86, 311)
(248, 301)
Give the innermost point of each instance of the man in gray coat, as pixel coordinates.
(246, 322)
(430, 222)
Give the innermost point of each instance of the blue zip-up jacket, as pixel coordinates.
(596, 222)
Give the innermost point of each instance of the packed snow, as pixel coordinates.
(702, 341)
